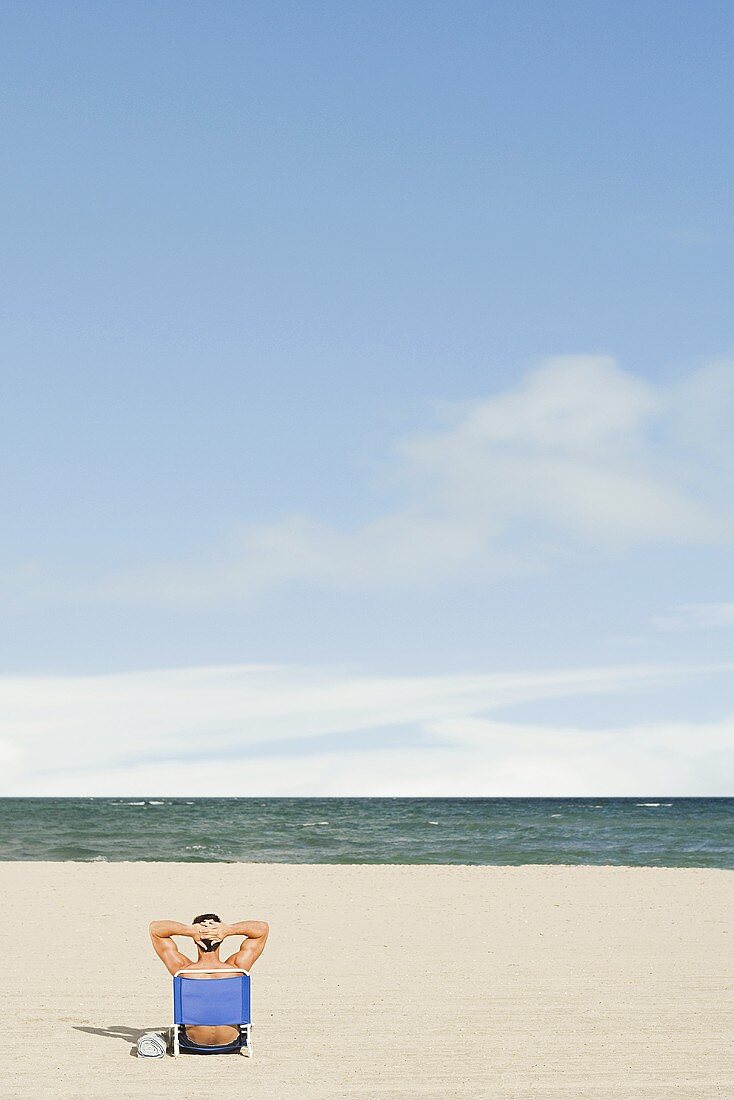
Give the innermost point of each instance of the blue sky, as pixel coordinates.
(367, 345)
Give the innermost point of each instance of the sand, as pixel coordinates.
(385, 982)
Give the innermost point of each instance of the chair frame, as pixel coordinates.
(245, 1030)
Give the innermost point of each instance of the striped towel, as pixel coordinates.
(151, 1045)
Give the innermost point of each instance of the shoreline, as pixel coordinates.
(104, 862)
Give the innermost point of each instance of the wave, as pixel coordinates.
(695, 833)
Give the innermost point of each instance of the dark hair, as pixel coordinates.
(208, 945)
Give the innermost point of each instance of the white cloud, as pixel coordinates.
(269, 730)
(572, 448)
(581, 457)
(696, 616)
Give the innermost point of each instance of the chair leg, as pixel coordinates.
(247, 1048)
(175, 1050)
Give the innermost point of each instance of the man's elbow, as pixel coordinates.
(263, 929)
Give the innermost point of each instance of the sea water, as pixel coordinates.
(645, 831)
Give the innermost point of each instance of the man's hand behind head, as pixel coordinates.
(210, 930)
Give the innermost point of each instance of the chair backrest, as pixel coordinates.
(212, 1001)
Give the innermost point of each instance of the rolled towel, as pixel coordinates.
(151, 1045)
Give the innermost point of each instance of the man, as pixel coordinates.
(208, 932)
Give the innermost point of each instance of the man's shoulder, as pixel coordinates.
(206, 971)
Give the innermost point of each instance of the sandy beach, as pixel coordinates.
(382, 981)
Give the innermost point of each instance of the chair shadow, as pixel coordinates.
(120, 1031)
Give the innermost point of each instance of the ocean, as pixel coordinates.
(637, 832)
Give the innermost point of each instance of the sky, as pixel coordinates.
(368, 380)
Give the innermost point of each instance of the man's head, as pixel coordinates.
(208, 945)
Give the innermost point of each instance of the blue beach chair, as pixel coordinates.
(212, 1002)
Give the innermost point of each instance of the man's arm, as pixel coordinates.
(252, 946)
(161, 933)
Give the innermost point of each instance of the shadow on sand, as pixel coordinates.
(119, 1031)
